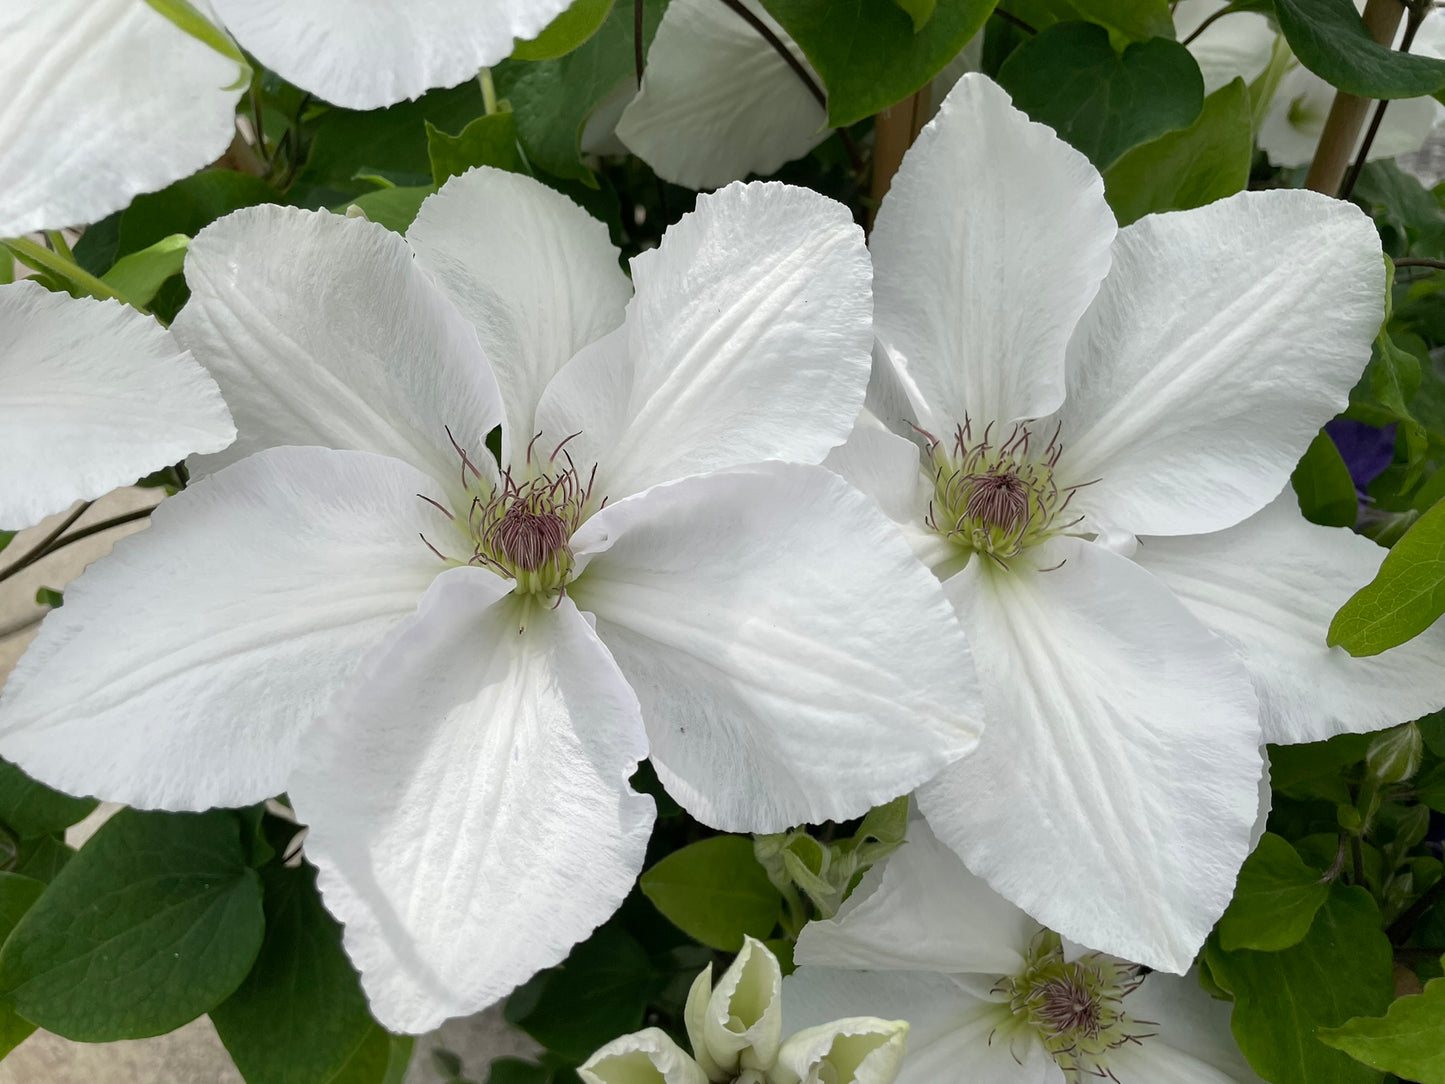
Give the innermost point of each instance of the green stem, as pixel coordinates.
(53, 543)
(40, 258)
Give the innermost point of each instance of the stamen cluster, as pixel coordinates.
(522, 528)
(996, 499)
(1076, 1008)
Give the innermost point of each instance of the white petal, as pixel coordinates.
(949, 1027)
(750, 338)
(926, 913)
(888, 468)
(1271, 586)
(855, 1050)
(1114, 790)
(93, 395)
(694, 1015)
(468, 800)
(1222, 340)
(794, 661)
(988, 248)
(535, 273)
(1194, 1044)
(365, 54)
(321, 330)
(101, 100)
(1235, 46)
(184, 667)
(648, 1057)
(743, 1025)
(717, 101)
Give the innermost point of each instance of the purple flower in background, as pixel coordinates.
(1366, 449)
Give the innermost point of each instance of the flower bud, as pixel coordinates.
(859, 1050)
(740, 1024)
(648, 1057)
(1394, 755)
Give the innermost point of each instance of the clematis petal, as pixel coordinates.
(468, 800)
(93, 395)
(321, 330)
(365, 54)
(794, 661)
(949, 1026)
(648, 1057)
(750, 338)
(184, 667)
(886, 467)
(101, 100)
(922, 911)
(1193, 1044)
(988, 248)
(536, 274)
(855, 1050)
(1114, 790)
(1222, 340)
(1270, 587)
(717, 101)
(1235, 46)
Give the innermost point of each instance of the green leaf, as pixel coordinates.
(300, 1015)
(1275, 899)
(566, 32)
(1134, 20)
(381, 1058)
(17, 895)
(1341, 969)
(1323, 485)
(6, 537)
(920, 11)
(552, 99)
(43, 857)
(139, 276)
(32, 809)
(348, 143)
(393, 208)
(49, 596)
(1406, 596)
(599, 993)
(1330, 39)
(866, 51)
(715, 891)
(486, 141)
(1104, 103)
(517, 1071)
(1191, 167)
(1408, 1041)
(155, 922)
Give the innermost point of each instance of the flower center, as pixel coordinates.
(996, 498)
(1076, 1008)
(522, 528)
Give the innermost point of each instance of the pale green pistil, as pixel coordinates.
(1077, 1009)
(996, 499)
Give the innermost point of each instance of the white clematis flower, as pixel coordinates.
(1242, 43)
(1067, 413)
(982, 985)
(365, 54)
(93, 395)
(718, 102)
(100, 101)
(735, 1030)
(635, 571)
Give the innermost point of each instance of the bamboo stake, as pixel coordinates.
(894, 130)
(1347, 114)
